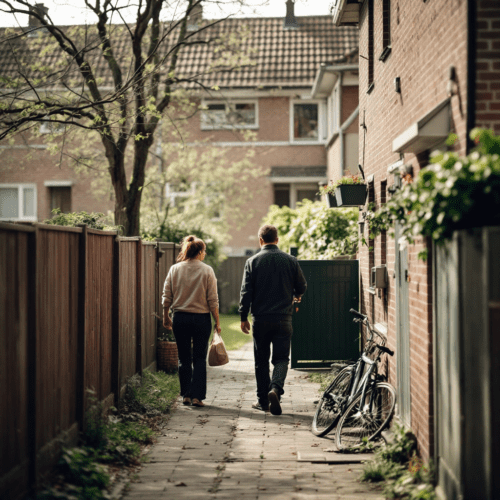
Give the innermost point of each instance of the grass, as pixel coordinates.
(158, 390)
(232, 335)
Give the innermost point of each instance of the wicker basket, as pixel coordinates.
(166, 356)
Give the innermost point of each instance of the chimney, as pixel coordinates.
(195, 17)
(41, 10)
(290, 22)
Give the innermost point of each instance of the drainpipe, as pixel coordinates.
(342, 129)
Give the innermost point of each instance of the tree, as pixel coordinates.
(113, 80)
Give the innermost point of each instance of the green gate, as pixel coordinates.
(323, 330)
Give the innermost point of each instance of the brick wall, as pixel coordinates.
(488, 64)
(426, 38)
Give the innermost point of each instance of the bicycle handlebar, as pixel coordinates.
(366, 321)
(358, 314)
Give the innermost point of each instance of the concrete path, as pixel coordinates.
(227, 450)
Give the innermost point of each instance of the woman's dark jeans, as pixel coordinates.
(192, 369)
(279, 334)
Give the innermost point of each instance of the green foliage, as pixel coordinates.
(86, 478)
(346, 180)
(174, 230)
(94, 220)
(318, 232)
(452, 193)
(405, 475)
(158, 390)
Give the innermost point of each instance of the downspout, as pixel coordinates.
(342, 129)
(341, 132)
(471, 71)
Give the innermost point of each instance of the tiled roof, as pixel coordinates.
(276, 57)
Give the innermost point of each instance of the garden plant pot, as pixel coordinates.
(166, 356)
(332, 200)
(350, 195)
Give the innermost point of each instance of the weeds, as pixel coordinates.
(405, 474)
(113, 438)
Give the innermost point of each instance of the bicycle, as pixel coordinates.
(358, 402)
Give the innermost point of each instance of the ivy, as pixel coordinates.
(452, 193)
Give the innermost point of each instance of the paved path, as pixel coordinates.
(230, 451)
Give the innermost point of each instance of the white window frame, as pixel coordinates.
(45, 128)
(228, 104)
(20, 200)
(333, 110)
(322, 121)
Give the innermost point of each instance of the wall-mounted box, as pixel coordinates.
(378, 277)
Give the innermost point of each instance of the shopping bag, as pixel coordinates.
(217, 354)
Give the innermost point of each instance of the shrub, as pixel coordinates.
(319, 232)
(94, 220)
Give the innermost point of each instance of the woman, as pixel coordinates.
(191, 290)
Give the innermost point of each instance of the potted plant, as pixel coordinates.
(350, 191)
(328, 191)
(166, 350)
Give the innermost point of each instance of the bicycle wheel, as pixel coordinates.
(366, 420)
(328, 409)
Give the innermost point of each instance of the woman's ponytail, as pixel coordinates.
(191, 248)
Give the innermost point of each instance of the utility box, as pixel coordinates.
(379, 277)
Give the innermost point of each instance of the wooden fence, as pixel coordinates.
(229, 277)
(78, 311)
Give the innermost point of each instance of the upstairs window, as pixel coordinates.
(386, 29)
(308, 121)
(18, 202)
(371, 48)
(222, 115)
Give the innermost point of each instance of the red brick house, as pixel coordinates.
(427, 68)
(270, 97)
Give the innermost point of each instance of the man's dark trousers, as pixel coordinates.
(278, 334)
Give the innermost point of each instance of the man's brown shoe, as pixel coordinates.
(186, 401)
(274, 402)
(198, 403)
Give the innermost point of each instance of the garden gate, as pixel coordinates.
(323, 330)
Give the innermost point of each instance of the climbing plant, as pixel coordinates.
(452, 193)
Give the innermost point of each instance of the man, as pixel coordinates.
(272, 281)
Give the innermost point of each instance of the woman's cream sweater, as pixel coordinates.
(191, 286)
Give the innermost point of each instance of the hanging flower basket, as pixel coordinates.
(350, 195)
(166, 356)
(332, 200)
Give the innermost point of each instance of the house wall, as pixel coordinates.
(428, 39)
(21, 163)
(488, 65)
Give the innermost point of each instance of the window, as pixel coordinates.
(370, 46)
(305, 122)
(60, 197)
(289, 194)
(18, 202)
(177, 194)
(308, 121)
(386, 29)
(222, 115)
(51, 128)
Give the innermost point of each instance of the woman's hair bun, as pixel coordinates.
(190, 238)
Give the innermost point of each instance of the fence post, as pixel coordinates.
(115, 320)
(82, 296)
(32, 361)
(138, 317)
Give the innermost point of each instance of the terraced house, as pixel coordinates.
(427, 69)
(294, 128)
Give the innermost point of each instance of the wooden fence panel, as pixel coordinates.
(98, 313)
(15, 283)
(229, 277)
(127, 307)
(149, 305)
(167, 253)
(57, 341)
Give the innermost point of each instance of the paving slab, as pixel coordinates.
(228, 450)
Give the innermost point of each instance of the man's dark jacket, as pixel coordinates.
(270, 281)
